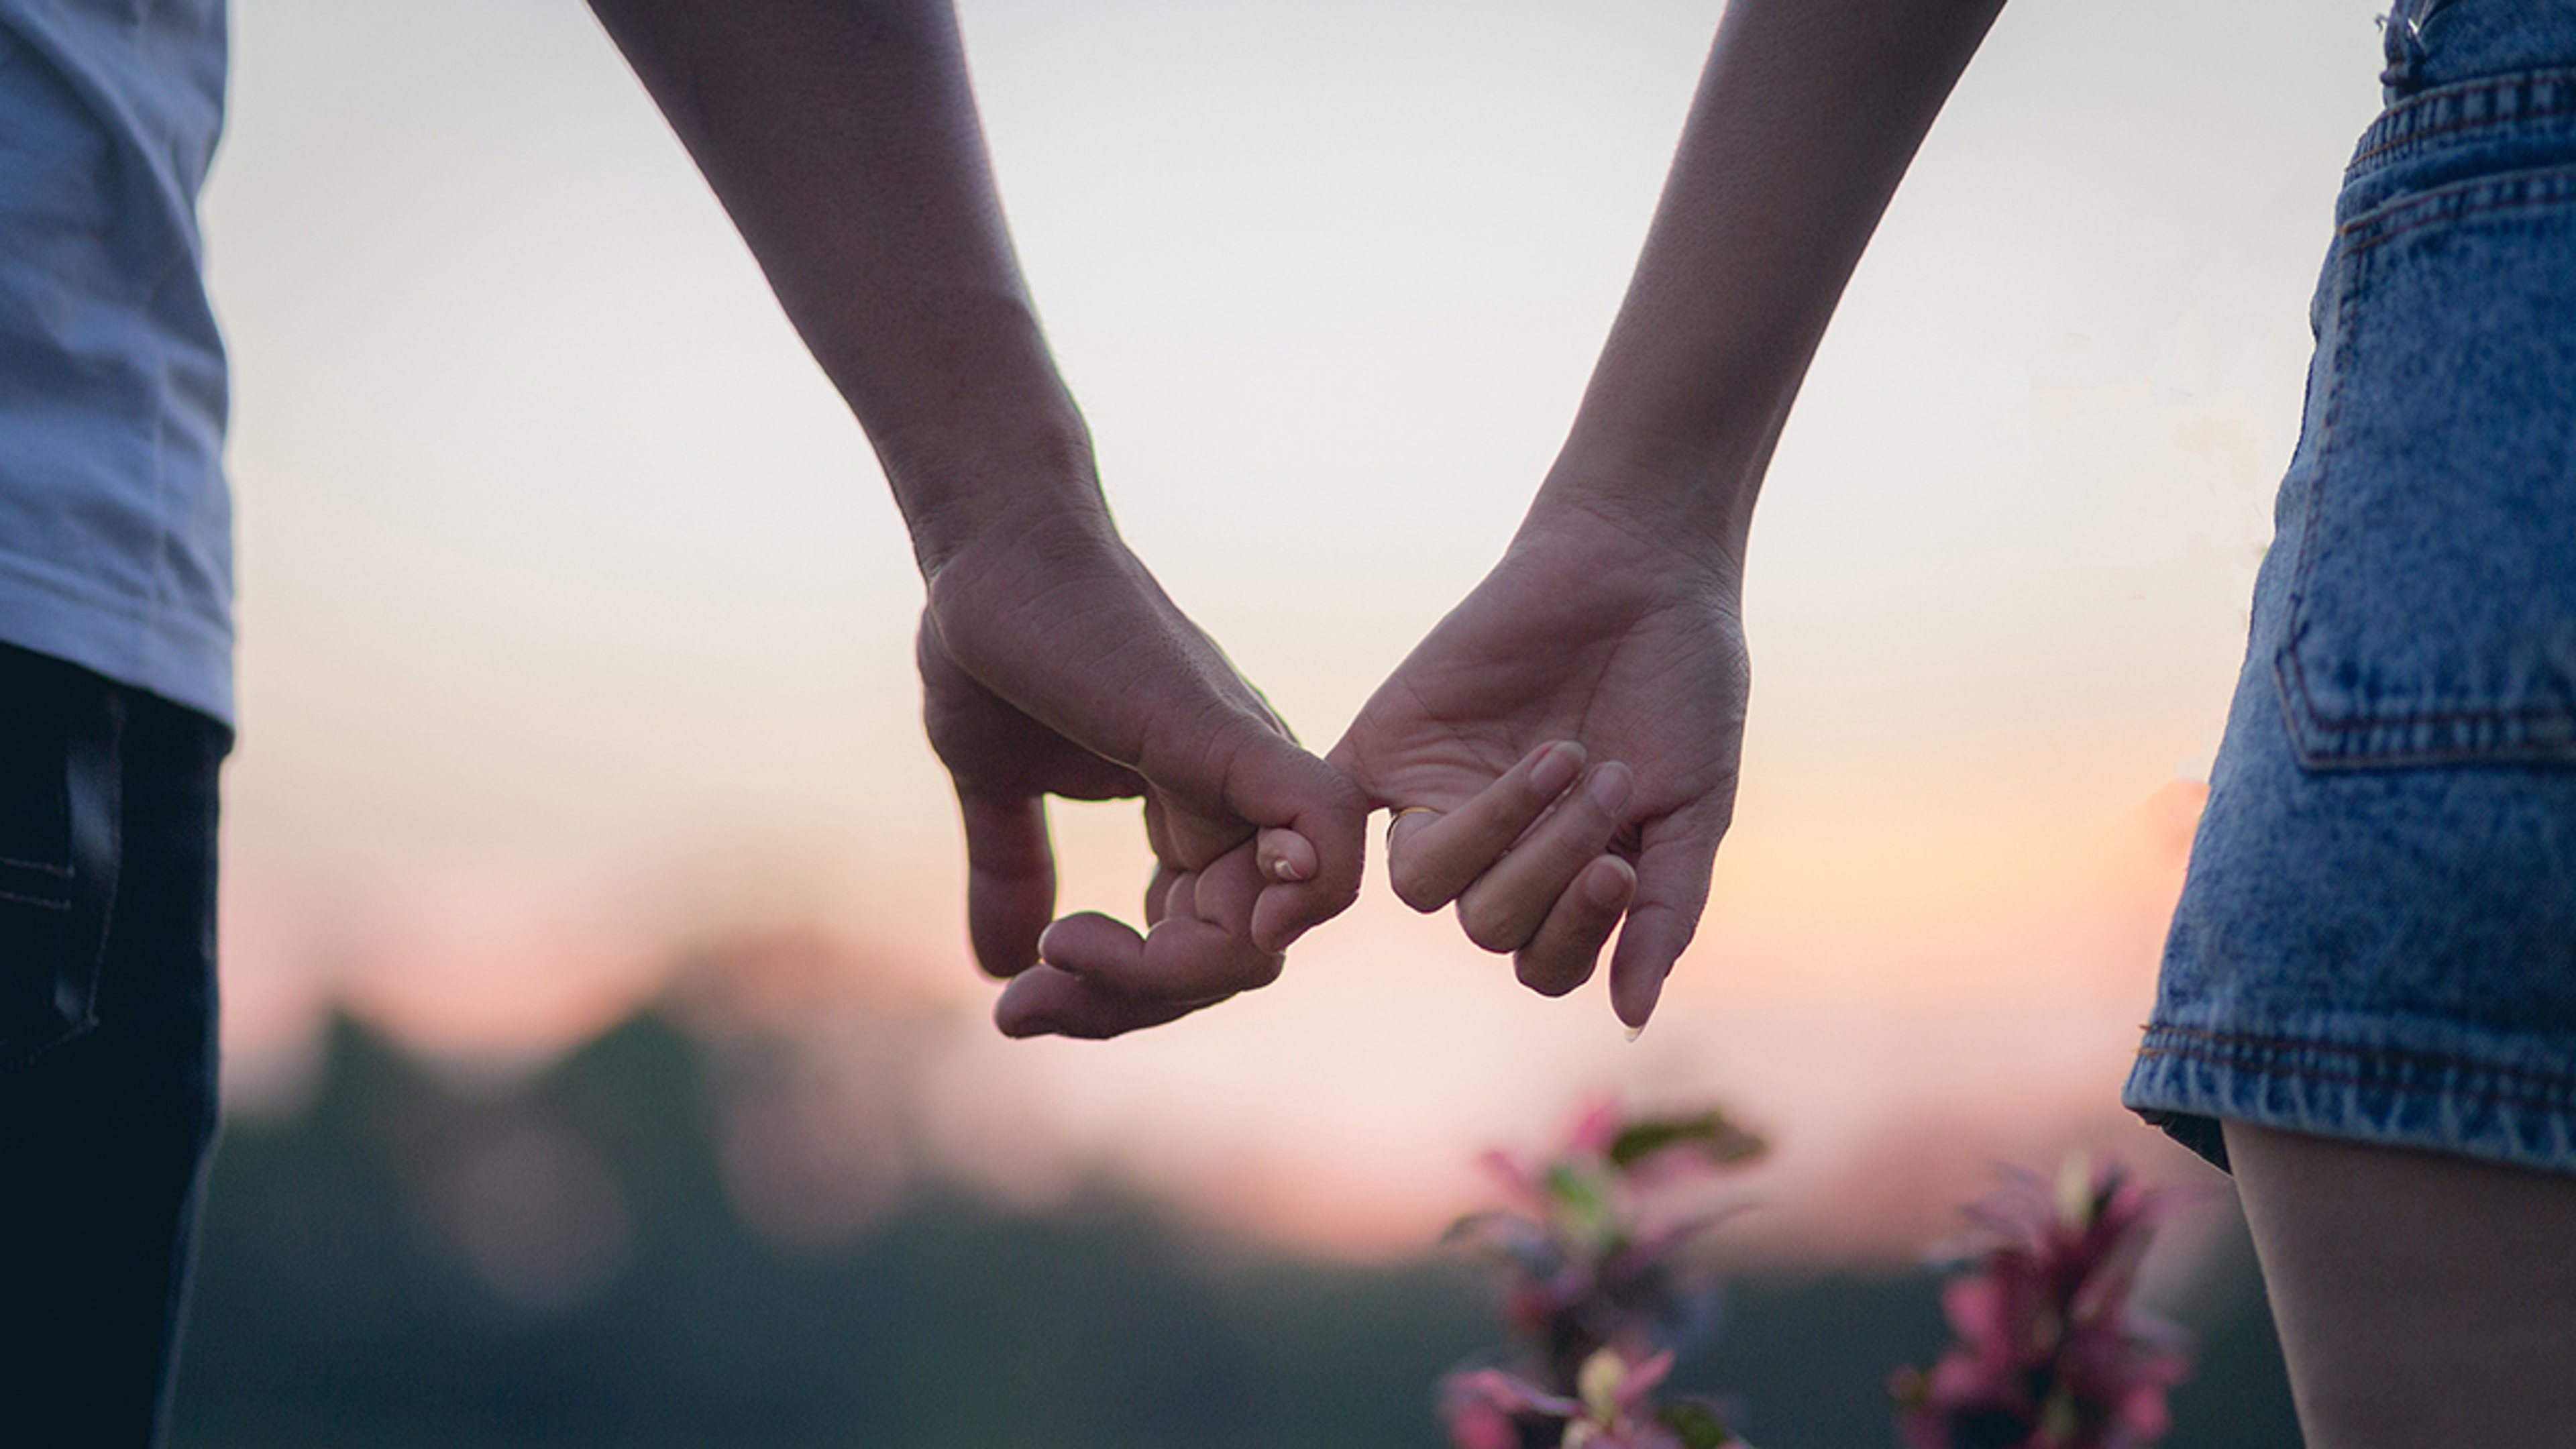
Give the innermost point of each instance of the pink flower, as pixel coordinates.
(1589, 1248)
(1613, 1408)
(2049, 1354)
(1484, 1408)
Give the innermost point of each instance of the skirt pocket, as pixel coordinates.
(2432, 612)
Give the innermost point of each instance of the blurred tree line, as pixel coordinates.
(566, 1262)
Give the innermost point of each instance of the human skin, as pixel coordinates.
(842, 139)
(2421, 1298)
(1613, 620)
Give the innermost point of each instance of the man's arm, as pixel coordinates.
(1613, 620)
(841, 136)
(842, 139)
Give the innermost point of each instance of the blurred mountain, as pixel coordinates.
(607, 1253)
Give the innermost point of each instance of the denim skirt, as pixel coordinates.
(2377, 933)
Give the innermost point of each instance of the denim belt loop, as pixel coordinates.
(2402, 41)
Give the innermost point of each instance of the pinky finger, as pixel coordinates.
(1672, 889)
(1285, 855)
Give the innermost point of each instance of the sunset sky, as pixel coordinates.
(575, 618)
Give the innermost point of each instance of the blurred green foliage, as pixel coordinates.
(357, 1288)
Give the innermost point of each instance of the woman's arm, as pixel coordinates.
(1808, 113)
(1613, 619)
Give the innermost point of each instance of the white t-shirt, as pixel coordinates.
(115, 523)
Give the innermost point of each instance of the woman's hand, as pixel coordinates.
(1598, 637)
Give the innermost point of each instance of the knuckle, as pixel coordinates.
(1337, 896)
(1414, 886)
(1594, 817)
(1549, 974)
(1529, 797)
(1341, 793)
(1491, 930)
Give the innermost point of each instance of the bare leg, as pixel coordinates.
(2423, 1300)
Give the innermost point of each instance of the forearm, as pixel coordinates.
(842, 138)
(1807, 115)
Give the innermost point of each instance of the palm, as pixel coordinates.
(1590, 632)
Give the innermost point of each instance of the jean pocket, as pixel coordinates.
(2432, 613)
(60, 798)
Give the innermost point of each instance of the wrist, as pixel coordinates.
(962, 483)
(1690, 502)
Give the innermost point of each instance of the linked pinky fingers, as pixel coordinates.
(1285, 856)
(1300, 886)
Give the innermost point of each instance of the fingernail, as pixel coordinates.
(1289, 856)
(1654, 992)
(1045, 956)
(1555, 768)
(1609, 787)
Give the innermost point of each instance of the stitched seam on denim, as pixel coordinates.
(2413, 120)
(64, 871)
(2300, 1043)
(2540, 1091)
(2524, 95)
(2358, 240)
(2328, 1076)
(40, 902)
(2540, 188)
(2450, 716)
(2343, 739)
(2347, 287)
(2413, 1062)
(2465, 128)
(2343, 754)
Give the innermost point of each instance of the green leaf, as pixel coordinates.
(1711, 1131)
(1576, 1191)
(1697, 1425)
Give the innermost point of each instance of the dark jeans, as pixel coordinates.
(107, 1045)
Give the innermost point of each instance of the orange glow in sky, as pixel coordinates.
(576, 621)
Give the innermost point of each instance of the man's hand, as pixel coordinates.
(1053, 664)
(841, 136)
(1597, 638)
